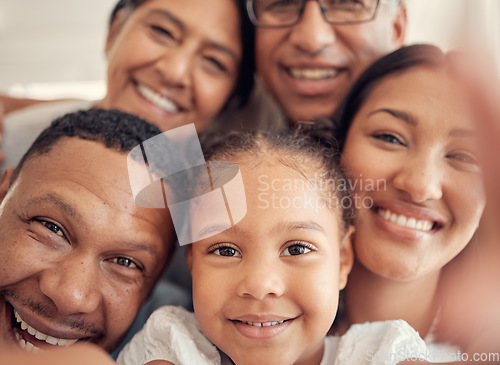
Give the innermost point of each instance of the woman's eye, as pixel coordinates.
(54, 228)
(125, 262)
(162, 31)
(389, 138)
(226, 251)
(296, 249)
(216, 64)
(464, 157)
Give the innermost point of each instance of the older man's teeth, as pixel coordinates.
(39, 335)
(313, 74)
(263, 324)
(404, 221)
(157, 99)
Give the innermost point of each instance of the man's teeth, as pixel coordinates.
(313, 73)
(39, 335)
(402, 220)
(263, 324)
(157, 99)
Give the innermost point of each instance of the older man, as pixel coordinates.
(78, 256)
(309, 52)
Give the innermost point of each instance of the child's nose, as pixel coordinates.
(261, 280)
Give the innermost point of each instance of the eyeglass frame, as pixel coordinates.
(256, 23)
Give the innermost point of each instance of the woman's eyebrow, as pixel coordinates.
(171, 17)
(399, 114)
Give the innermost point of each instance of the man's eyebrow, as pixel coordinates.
(54, 199)
(399, 114)
(137, 246)
(170, 16)
(290, 226)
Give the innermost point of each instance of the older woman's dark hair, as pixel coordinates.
(400, 60)
(245, 81)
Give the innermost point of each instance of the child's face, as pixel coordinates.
(271, 282)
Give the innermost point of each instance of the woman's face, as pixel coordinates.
(174, 62)
(410, 154)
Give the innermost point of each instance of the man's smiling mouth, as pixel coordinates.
(23, 332)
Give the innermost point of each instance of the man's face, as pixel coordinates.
(309, 67)
(78, 255)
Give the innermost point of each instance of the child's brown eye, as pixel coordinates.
(226, 251)
(297, 249)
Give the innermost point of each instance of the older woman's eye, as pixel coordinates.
(161, 31)
(215, 64)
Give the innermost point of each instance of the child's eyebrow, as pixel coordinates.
(290, 226)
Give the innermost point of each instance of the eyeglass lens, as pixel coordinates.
(287, 12)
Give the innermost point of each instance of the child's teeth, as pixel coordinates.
(263, 324)
(402, 220)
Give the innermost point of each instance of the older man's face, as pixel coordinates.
(309, 67)
(78, 256)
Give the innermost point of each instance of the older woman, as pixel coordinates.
(169, 62)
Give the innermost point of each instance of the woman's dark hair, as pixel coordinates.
(400, 60)
(245, 82)
(302, 150)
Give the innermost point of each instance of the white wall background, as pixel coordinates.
(48, 45)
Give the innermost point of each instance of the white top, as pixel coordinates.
(173, 334)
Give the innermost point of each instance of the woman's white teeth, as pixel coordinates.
(263, 324)
(313, 74)
(39, 335)
(402, 220)
(157, 99)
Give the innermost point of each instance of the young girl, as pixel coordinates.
(265, 291)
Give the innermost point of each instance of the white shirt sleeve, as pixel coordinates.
(172, 334)
(380, 343)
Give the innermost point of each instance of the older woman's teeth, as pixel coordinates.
(263, 324)
(157, 99)
(38, 335)
(313, 74)
(404, 221)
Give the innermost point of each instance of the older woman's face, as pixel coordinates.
(411, 153)
(174, 62)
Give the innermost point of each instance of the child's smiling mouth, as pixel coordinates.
(261, 327)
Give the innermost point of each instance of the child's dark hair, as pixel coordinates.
(310, 154)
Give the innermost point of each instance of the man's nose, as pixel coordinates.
(72, 285)
(312, 33)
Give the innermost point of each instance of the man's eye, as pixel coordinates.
(297, 249)
(54, 228)
(389, 138)
(225, 251)
(125, 262)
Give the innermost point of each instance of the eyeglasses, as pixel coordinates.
(285, 13)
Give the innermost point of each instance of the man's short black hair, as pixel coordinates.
(114, 129)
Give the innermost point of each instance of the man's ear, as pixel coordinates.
(189, 256)
(114, 28)
(5, 182)
(346, 257)
(399, 25)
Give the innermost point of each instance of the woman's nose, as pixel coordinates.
(421, 178)
(175, 66)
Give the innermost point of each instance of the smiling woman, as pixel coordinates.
(408, 121)
(171, 63)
